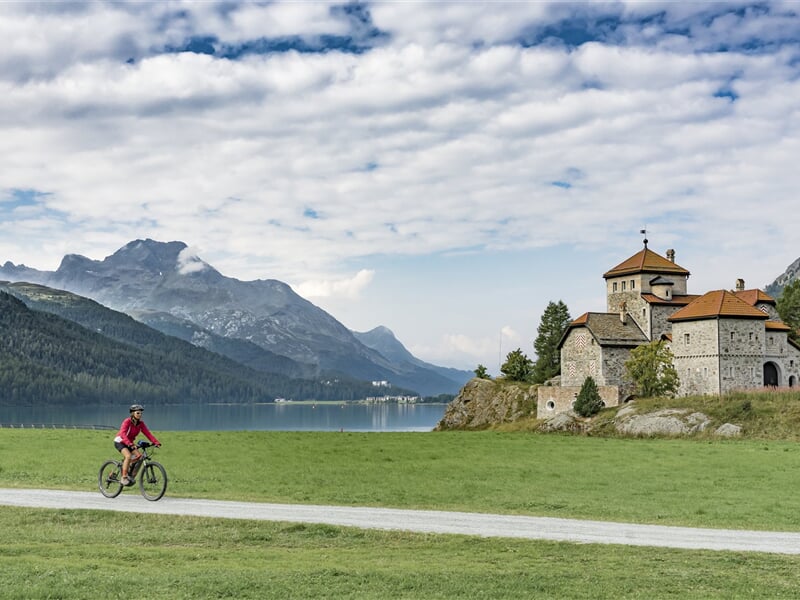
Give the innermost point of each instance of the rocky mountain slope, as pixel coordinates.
(112, 356)
(150, 280)
(791, 273)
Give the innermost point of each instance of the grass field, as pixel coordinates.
(84, 554)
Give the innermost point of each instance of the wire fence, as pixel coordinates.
(52, 426)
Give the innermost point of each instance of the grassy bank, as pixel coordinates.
(87, 554)
(742, 484)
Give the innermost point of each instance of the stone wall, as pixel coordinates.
(557, 399)
(580, 358)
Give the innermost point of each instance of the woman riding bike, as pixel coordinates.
(124, 442)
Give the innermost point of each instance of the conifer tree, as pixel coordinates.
(588, 403)
(555, 320)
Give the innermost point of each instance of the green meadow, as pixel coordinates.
(745, 484)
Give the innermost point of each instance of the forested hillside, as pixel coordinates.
(45, 359)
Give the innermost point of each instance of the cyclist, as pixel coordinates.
(124, 442)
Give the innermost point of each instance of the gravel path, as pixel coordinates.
(425, 521)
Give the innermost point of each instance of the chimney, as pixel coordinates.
(671, 255)
(740, 285)
(623, 314)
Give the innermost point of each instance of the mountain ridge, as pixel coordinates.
(148, 277)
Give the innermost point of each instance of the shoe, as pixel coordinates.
(125, 481)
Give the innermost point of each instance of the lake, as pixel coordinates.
(287, 416)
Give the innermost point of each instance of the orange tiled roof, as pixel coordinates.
(777, 326)
(580, 320)
(645, 261)
(716, 304)
(680, 300)
(753, 297)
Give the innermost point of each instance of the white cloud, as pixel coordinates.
(339, 288)
(189, 261)
(449, 135)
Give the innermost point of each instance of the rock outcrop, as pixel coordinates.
(669, 421)
(485, 402)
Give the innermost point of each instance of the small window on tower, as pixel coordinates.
(615, 286)
(623, 286)
(686, 338)
(633, 284)
(733, 336)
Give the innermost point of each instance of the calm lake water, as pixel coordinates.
(256, 417)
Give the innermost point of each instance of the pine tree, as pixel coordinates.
(588, 403)
(555, 320)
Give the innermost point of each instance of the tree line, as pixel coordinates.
(45, 359)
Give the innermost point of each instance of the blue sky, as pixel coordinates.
(444, 169)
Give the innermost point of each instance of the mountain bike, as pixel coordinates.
(152, 475)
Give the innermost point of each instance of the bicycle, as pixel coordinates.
(152, 476)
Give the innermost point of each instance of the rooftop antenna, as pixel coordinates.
(644, 233)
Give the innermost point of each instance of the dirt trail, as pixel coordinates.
(425, 521)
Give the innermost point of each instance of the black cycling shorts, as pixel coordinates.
(119, 446)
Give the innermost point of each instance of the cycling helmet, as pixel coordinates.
(136, 407)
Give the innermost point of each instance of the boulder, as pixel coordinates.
(728, 430)
(668, 421)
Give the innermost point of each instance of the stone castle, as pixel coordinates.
(721, 341)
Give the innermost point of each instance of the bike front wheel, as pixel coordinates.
(153, 481)
(109, 479)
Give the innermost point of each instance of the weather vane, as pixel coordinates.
(644, 233)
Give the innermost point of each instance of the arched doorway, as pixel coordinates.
(770, 374)
(792, 381)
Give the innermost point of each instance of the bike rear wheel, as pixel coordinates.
(109, 479)
(153, 481)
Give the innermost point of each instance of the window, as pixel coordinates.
(623, 286)
(751, 336)
(668, 292)
(551, 405)
(633, 284)
(771, 340)
(615, 286)
(686, 338)
(705, 371)
(733, 336)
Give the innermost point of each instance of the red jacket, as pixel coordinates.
(129, 430)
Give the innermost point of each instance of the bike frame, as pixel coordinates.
(110, 482)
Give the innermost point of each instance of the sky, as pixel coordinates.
(443, 169)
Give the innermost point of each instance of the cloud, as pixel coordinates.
(304, 138)
(189, 261)
(339, 288)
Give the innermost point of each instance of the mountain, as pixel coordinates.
(381, 339)
(47, 359)
(57, 346)
(791, 273)
(175, 291)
